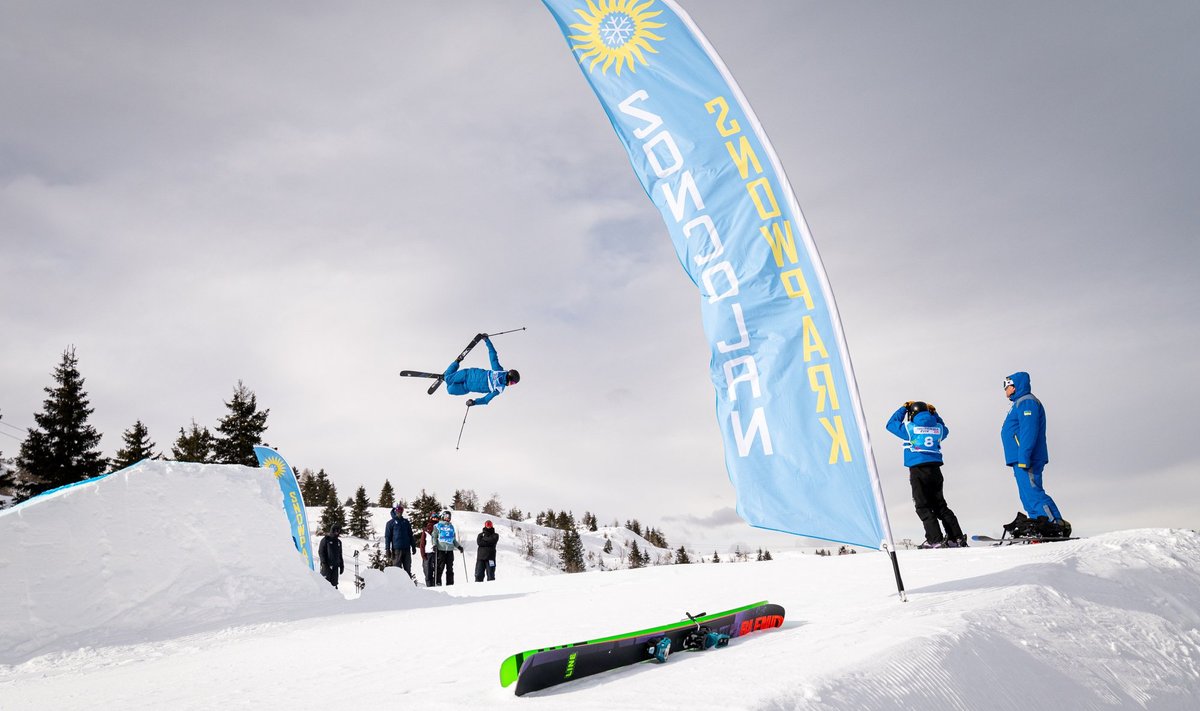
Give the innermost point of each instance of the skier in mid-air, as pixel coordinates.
(480, 380)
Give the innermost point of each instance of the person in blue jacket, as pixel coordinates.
(480, 380)
(1024, 437)
(445, 541)
(398, 540)
(922, 429)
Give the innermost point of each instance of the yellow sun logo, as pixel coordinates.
(275, 464)
(615, 32)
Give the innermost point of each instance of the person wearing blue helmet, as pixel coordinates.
(922, 429)
(480, 380)
(1023, 435)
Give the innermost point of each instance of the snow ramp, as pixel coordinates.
(155, 551)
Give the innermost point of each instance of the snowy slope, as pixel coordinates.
(176, 586)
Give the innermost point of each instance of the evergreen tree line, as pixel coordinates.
(63, 448)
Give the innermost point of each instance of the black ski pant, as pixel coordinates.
(330, 574)
(445, 561)
(926, 481)
(485, 566)
(427, 568)
(403, 559)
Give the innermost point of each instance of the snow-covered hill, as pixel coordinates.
(177, 586)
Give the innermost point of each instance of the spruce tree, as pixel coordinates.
(682, 557)
(308, 486)
(387, 496)
(515, 514)
(571, 557)
(360, 517)
(333, 513)
(716, 558)
(137, 447)
(635, 556)
(63, 448)
(193, 445)
(465, 500)
(240, 430)
(7, 480)
(322, 487)
(493, 507)
(423, 508)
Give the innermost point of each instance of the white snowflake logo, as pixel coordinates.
(617, 29)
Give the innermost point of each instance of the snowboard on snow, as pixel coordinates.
(438, 376)
(1022, 540)
(539, 669)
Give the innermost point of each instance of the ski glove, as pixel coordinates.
(470, 403)
(460, 549)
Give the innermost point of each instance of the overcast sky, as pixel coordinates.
(309, 197)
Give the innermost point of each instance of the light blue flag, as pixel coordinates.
(796, 444)
(293, 500)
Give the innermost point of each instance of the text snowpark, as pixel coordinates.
(680, 201)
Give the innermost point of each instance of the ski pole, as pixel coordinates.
(461, 428)
(464, 558)
(501, 333)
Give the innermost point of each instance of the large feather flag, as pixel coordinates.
(796, 445)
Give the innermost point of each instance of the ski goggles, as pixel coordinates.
(1008, 383)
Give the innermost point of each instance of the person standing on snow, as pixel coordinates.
(485, 554)
(480, 380)
(398, 540)
(1023, 435)
(446, 540)
(923, 433)
(428, 549)
(330, 552)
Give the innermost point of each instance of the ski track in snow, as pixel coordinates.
(210, 606)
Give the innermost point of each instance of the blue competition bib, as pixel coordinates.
(927, 440)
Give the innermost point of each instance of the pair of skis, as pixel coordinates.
(438, 377)
(539, 669)
(1022, 540)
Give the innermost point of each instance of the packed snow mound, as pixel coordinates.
(157, 550)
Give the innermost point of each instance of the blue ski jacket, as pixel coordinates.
(446, 536)
(477, 380)
(398, 534)
(1024, 430)
(922, 436)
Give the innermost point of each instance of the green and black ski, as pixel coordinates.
(542, 668)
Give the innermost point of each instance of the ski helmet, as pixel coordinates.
(446, 514)
(487, 524)
(513, 377)
(917, 407)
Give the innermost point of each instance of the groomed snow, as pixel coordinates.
(177, 586)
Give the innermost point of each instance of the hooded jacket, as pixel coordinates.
(398, 535)
(1024, 430)
(922, 436)
(486, 541)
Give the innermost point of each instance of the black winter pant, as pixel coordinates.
(427, 568)
(403, 559)
(485, 566)
(926, 481)
(445, 561)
